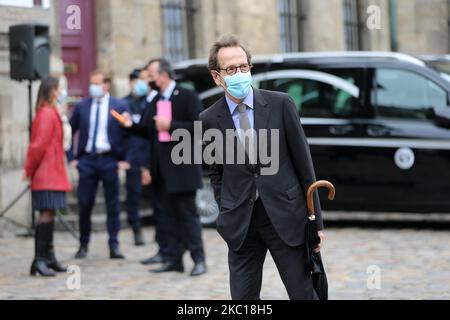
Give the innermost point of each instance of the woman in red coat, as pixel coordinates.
(45, 169)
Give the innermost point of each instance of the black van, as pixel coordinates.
(378, 124)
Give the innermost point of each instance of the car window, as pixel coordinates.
(318, 99)
(404, 94)
(187, 85)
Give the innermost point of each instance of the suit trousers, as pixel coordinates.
(161, 218)
(134, 190)
(92, 170)
(185, 230)
(246, 264)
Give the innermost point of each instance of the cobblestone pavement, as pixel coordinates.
(413, 264)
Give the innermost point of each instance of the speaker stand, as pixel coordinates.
(30, 123)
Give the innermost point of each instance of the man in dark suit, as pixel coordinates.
(138, 148)
(261, 210)
(100, 153)
(176, 184)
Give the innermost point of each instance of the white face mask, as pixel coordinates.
(96, 91)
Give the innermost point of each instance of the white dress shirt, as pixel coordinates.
(169, 91)
(102, 144)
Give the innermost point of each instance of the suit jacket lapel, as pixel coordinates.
(261, 111)
(110, 117)
(224, 118)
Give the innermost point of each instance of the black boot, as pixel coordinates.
(138, 237)
(39, 265)
(51, 257)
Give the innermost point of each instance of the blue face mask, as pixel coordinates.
(96, 91)
(141, 88)
(239, 85)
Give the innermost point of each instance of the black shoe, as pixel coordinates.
(169, 267)
(158, 258)
(39, 266)
(199, 269)
(82, 252)
(138, 237)
(116, 254)
(51, 257)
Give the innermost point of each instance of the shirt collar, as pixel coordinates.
(249, 101)
(152, 96)
(103, 99)
(169, 91)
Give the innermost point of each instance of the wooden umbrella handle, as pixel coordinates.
(314, 187)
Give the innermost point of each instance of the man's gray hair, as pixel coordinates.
(226, 42)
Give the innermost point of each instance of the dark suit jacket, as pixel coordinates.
(137, 147)
(283, 194)
(186, 107)
(80, 122)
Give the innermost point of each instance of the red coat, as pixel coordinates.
(45, 163)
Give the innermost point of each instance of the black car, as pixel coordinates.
(378, 124)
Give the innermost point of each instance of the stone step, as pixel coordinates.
(98, 220)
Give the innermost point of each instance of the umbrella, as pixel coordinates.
(314, 259)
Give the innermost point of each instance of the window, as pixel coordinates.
(403, 94)
(319, 99)
(289, 11)
(174, 20)
(351, 25)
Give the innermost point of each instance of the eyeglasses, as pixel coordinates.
(233, 70)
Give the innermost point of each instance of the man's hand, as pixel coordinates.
(322, 241)
(146, 177)
(123, 165)
(162, 123)
(128, 123)
(74, 164)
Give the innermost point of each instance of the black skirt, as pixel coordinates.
(48, 200)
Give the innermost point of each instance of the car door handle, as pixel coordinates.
(341, 130)
(378, 131)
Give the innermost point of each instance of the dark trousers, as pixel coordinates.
(134, 190)
(183, 226)
(162, 223)
(93, 169)
(246, 265)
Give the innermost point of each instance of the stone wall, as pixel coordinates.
(375, 39)
(323, 25)
(423, 26)
(128, 35)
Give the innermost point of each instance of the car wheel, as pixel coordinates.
(207, 206)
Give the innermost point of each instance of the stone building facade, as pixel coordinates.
(123, 35)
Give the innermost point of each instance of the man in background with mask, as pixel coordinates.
(175, 184)
(99, 155)
(259, 211)
(138, 149)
